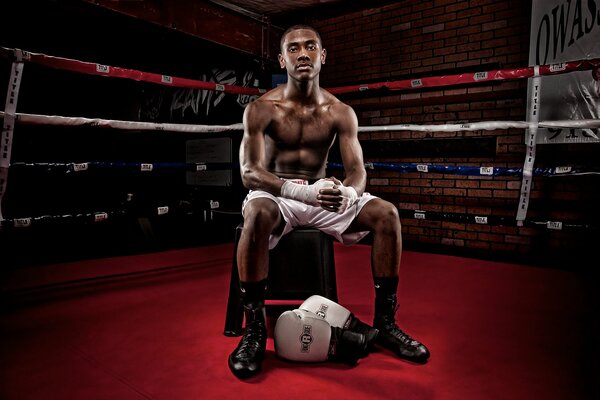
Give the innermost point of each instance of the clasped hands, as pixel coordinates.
(327, 193)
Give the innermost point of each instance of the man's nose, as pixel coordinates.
(302, 56)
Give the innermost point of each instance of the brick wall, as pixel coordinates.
(410, 39)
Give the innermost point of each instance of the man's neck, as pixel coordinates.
(303, 91)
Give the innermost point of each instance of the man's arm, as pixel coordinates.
(351, 152)
(255, 176)
(344, 194)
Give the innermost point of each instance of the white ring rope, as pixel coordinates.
(38, 119)
(486, 125)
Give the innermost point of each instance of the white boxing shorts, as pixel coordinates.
(296, 213)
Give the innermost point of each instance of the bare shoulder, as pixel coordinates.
(336, 105)
(259, 112)
(343, 114)
(262, 104)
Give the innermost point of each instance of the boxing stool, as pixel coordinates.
(302, 264)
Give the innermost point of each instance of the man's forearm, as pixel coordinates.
(261, 180)
(357, 181)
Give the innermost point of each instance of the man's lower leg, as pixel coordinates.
(390, 335)
(246, 359)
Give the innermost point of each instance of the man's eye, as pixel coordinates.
(312, 47)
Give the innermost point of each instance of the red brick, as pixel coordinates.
(404, 40)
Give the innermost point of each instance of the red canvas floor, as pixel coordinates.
(151, 327)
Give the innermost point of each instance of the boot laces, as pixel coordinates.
(398, 333)
(251, 342)
(392, 328)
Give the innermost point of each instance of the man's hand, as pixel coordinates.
(307, 194)
(338, 198)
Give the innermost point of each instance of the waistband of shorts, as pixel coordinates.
(300, 181)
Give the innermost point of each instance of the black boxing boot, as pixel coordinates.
(367, 330)
(346, 346)
(390, 336)
(246, 359)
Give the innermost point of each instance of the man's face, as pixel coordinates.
(301, 54)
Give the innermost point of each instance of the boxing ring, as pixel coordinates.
(526, 172)
(149, 325)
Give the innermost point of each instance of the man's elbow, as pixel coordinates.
(248, 178)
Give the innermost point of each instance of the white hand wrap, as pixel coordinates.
(349, 197)
(307, 194)
(302, 336)
(330, 311)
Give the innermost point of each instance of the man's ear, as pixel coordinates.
(323, 56)
(281, 61)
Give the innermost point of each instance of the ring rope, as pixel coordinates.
(71, 167)
(89, 68)
(405, 84)
(472, 78)
(470, 171)
(178, 208)
(38, 119)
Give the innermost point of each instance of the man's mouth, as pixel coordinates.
(303, 67)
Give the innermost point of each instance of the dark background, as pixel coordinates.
(367, 42)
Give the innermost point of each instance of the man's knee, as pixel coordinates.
(385, 217)
(390, 212)
(261, 213)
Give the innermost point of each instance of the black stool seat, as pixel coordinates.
(301, 265)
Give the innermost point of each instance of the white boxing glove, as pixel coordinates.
(340, 317)
(349, 197)
(306, 194)
(302, 336)
(332, 312)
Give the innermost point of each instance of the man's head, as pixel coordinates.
(296, 27)
(302, 52)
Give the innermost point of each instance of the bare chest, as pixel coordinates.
(302, 127)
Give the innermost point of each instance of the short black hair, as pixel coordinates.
(297, 27)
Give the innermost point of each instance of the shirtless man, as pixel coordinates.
(283, 155)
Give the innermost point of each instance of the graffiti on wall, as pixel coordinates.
(183, 105)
